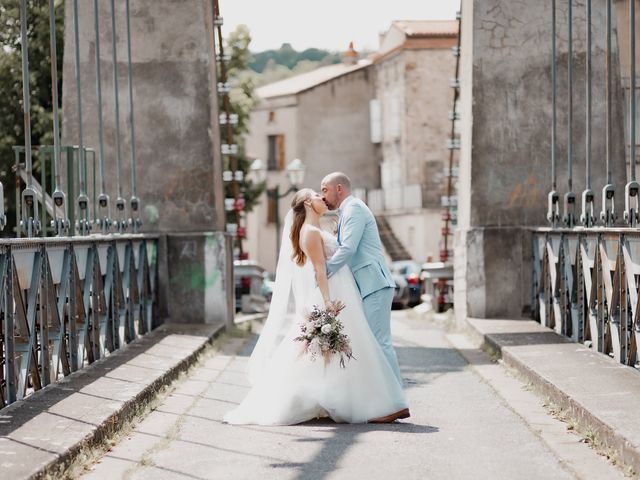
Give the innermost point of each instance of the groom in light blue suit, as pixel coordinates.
(360, 248)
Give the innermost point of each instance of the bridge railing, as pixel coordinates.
(586, 286)
(586, 267)
(65, 302)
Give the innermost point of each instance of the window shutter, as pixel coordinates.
(281, 154)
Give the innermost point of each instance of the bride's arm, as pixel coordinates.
(314, 248)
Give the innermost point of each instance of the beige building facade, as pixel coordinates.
(321, 118)
(413, 99)
(384, 121)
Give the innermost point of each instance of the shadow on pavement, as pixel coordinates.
(335, 447)
(41, 401)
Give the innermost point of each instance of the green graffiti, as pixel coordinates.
(211, 240)
(192, 277)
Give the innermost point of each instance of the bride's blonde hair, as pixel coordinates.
(299, 216)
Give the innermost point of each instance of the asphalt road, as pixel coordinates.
(463, 426)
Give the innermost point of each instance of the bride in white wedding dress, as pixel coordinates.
(287, 387)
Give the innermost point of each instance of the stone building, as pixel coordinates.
(322, 118)
(411, 124)
(384, 121)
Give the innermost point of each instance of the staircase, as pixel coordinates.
(392, 245)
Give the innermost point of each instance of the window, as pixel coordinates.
(271, 206)
(275, 159)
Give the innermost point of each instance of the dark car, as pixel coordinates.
(248, 278)
(410, 272)
(438, 281)
(268, 284)
(401, 294)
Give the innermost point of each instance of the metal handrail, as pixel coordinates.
(585, 287)
(65, 302)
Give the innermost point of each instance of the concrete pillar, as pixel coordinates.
(177, 138)
(505, 159)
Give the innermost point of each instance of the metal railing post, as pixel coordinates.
(632, 187)
(9, 326)
(104, 206)
(134, 203)
(120, 221)
(587, 217)
(30, 222)
(569, 197)
(553, 199)
(83, 224)
(60, 222)
(608, 214)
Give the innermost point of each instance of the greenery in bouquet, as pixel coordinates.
(321, 334)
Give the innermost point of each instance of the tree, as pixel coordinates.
(288, 57)
(11, 118)
(242, 99)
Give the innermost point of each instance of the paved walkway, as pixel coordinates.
(462, 427)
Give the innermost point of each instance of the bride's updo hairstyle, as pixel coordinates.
(299, 216)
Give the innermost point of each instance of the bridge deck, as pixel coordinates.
(50, 427)
(462, 426)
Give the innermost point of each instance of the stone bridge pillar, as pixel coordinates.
(179, 169)
(505, 158)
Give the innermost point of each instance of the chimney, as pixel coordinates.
(350, 56)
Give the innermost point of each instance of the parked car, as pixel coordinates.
(268, 284)
(438, 280)
(410, 272)
(248, 277)
(401, 294)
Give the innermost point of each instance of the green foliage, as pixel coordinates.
(288, 57)
(11, 117)
(242, 100)
(273, 65)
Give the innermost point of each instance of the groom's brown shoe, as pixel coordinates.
(404, 413)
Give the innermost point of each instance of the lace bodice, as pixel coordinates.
(330, 243)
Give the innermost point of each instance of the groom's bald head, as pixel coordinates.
(337, 178)
(335, 187)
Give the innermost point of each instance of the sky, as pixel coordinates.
(326, 24)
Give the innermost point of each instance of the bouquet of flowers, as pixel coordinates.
(321, 334)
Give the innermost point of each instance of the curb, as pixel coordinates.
(113, 423)
(250, 317)
(607, 434)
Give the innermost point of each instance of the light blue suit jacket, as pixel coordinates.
(360, 248)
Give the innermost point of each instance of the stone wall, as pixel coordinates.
(328, 128)
(505, 171)
(275, 116)
(177, 141)
(428, 102)
(175, 105)
(333, 130)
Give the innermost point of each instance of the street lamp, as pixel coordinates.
(295, 175)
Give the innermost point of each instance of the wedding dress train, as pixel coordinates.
(289, 388)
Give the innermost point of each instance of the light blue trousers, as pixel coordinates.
(377, 308)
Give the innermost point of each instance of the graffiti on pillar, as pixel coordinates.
(526, 193)
(199, 270)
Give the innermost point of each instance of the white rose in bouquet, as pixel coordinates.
(322, 335)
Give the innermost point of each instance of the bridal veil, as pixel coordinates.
(281, 310)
